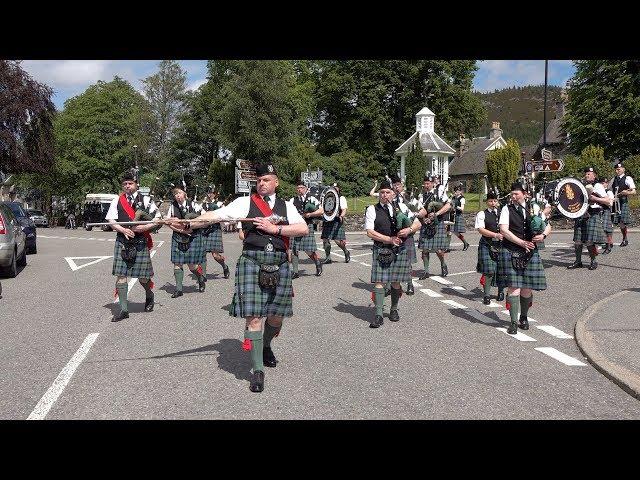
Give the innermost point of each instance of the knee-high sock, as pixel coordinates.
(379, 295)
(425, 261)
(395, 296)
(343, 246)
(269, 332)
(203, 265)
(624, 232)
(525, 302)
(487, 284)
(593, 251)
(294, 263)
(578, 249)
(256, 349)
(147, 288)
(442, 261)
(514, 307)
(327, 248)
(122, 289)
(179, 274)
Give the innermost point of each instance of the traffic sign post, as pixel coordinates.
(544, 166)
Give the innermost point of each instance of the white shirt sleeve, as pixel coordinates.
(630, 183)
(292, 214)
(479, 220)
(462, 202)
(151, 206)
(404, 209)
(444, 197)
(313, 199)
(112, 213)
(599, 189)
(197, 207)
(370, 217)
(239, 208)
(343, 202)
(610, 194)
(504, 216)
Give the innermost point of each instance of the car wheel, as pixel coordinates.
(88, 229)
(12, 270)
(23, 260)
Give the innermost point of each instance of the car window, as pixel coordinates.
(34, 212)
(16, 209)
(7, 213)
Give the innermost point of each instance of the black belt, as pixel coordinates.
(595, 211)
(253, 248)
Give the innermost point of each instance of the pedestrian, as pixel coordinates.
(458, 202)
(433, 234)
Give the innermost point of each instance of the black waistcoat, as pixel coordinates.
(491, 221)
(620, 183)
(300, 204)
(258, 238)
(384, 223)
(209, 206)
(178, 212)
(520, 227)
(123, 217)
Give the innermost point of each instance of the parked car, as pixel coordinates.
(28, 227)
(96, 206)
(13, 242)
(38, 218)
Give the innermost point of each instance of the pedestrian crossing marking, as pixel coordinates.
(518, 336)
(430, 292)
(553, 331)
(561, 357)
(441, 280)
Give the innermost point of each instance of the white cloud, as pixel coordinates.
(196, 84)
(66, 73)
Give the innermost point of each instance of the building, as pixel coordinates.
(433, 146)
(557, 140)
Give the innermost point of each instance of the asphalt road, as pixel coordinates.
(446, 359)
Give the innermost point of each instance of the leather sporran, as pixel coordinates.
(494, 250)
(130, 249)
(269, 276)
(431, 229)
(183, 241)
(386, 256)
(520, 259)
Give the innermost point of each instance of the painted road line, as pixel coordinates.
(454, 304)
(518, 336)
(561, 357)
(74, 266)
(51, 395)
(417, 284)
(553, 331)
(441, 280)
(493, 304)
(462, 273)
(430, 292)
(506, 312)
(457, 287)
(360, 255)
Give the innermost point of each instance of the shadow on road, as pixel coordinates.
(232, 358)
(358, 311)
(134, 307)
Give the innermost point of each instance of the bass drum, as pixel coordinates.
(330, 203)
(571, 198)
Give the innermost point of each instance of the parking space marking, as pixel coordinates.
(561, 357)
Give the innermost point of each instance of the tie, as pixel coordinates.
(130, 199)
(266, 198)
(521, 210)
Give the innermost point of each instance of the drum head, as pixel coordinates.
(571, 198)
(330, 202)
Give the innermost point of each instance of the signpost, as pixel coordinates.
(546, 155)
(245, 176)
(544, 166)
(312, 179)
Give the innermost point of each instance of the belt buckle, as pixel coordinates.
(269, 247)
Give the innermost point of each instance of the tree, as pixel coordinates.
(416, 164)
(503, 165)
(591, 156)
(604, 107)
(26, 121)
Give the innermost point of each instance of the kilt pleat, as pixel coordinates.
(333, 230)
(607, 223)
(306, 243)
(485, 264)
(194, 255)
(532, 276)
(440, 241)
(624, 216)
(398, 271)
(213, 241)
(410, 245)
(141, 268)
(458, 226)
(589, 231)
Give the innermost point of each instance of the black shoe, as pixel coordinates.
(295, 275)
(121, 316)
(445, 271)
(524, 323)
(448, 250)
(377, 322)
(225, 270)
(177, 293)
(513, 329)
(257, 382)
(318, 268)
(201, 285)
(607, 249)
(387, 291)
(624, 243)
(486, 300)
(424, 276)
(327, 260)
(466, 245)
(148, 304)
(575, 265)
(394, 316)
(410, 290)
(347, 256)
(593, 265)
(500, 296)
(268, 358)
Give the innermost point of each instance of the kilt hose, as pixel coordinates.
(213, 241)
(306, 243)
(589, 230)
(531, 277)
(458, 226)
(194, 255)
(250, 299)
(398, 271)
(485, 264)
(440, 241)
(624, 216)
(141, 268)
(410, 245)
(333, 230)
(607, 223)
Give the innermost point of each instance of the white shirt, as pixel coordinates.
(442, 194)
(196, 208)
(305, 198)
(599, 189)
(462, 202)
(480, 219)
(444, 198)
(628, 181)
(370, 215)
(150, 206)
(343, 202)
(504, 215)
(239, 208)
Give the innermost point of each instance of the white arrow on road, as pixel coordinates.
(74, 266)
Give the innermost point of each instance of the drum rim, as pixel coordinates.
(331, 217)
(556, 193)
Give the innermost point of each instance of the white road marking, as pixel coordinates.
(430, 292)
(74, 266)
(417, 284)
(462, 273)
(457, 287)
(441, 280)
(54, 391)
(551, 330)
(494, 304)
(561, 357)
(518, 336)
(360, 255)
(454, 304)
(506, 312)
(365, 264)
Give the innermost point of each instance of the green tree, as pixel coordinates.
(591, 156)
(604, 107)
(415, 164)
(503, 165)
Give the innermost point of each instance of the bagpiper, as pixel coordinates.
(623, 186)
(489, 247)
(334, 230)
(309, 208)
(433, 234)
(607, 221)
(131, 257)
(458, 202)
(409, 242)
(212, 235)
(263, 286)
(390, 262)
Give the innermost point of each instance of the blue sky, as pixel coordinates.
(71, 77)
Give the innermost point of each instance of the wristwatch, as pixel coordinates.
(280, 230)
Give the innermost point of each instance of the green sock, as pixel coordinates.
(425, 261)
(379, 293)
(524, 305)
(514, 308)
(395, 296)
(147, 288)
(122, 289)
(269, 332)
(487, 285)
(204, 268)
(179, 274)
(442, 263)
(294, 263)
(256, 349)
(327, 249)
(578, 249)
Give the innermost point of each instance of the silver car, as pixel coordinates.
(13, 241)
(38, 218)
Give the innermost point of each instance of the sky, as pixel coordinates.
(71, 77)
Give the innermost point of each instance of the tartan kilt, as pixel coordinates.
(251, 300)
(589, 231)
(333, 230)
(624, 216)
(193, 256)
(306, 243)
(607, 224)
(398, 271)
(485, 264)
(458, 226)
(440, 241)
(410, 245)
(141, 268)
(531, 277)
(213, 241)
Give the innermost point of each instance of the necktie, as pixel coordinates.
(266, 198)
(130, 200)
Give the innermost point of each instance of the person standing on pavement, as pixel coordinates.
(489, 247)
(334, 230)
(263, 286)
(433, 234)
(131, 257)
(458, 205)
(607, 222)
(623, 186)
(309, 208)
(212, 236)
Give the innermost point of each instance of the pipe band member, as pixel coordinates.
(309, 208)
(334, 230)
(489, 246)
(623, 186)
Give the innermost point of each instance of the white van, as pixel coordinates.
(96, 206)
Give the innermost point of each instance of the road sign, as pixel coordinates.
(312, 178)
(245, 179)
(245, 164)
(546, 154)
(546, 166)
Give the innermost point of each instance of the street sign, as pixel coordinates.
(545, 166)
(244, 164)
(245, 179)
(546, 154)
(312, 178)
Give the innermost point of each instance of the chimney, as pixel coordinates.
(495, 130)
(464, 144)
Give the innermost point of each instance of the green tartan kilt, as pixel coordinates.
(440, 241)
(589, 231)
(398, 271)
(531, 277)
(624, 216)
(306, 243)
(141, 268)
(458, 226)
(485, 264)
(333, 230)
(410, 245)
(250, 299)
(607, 223)
(193, 256)
(213, 241)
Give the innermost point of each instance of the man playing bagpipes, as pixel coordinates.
(187, 245)
(131, 257)
(309, 208)
(334, 230)
(404, 217)
(489, 246)
(212, 235)
(458, 202)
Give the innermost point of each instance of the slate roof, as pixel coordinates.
(473, 160)
(430, 142)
